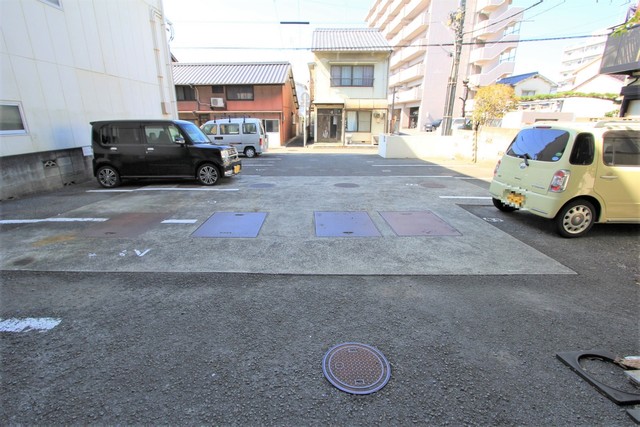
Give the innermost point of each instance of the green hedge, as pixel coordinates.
(608, 96)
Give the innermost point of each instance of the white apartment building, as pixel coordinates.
(423, 51)
(65, 63)
(576, 56)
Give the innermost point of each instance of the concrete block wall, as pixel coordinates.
(35, 172)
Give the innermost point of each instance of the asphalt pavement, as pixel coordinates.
(157, 315)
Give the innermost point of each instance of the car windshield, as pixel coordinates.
(543, 144)
(194, 132)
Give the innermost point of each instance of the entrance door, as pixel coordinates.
(330, 125)
(272, 128)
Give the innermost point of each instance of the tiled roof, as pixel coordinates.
(254, 73)
(349, 39)
(512, 80)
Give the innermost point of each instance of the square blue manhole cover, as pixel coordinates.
(345, 224)
(232, 224)
(419, 223)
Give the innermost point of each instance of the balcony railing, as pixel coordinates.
(404, 96)
(412, 29)
(484, 29)
(408, 53)
(412, 73)
(491, 76)
(487, 6)
(490, 52)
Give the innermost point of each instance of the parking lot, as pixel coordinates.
(183, 304)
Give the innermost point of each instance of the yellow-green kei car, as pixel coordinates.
(575, 173)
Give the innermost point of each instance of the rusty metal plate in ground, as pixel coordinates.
(125, 225)
(419, 223)
(356, 368)
(345, 224)
(232, 224)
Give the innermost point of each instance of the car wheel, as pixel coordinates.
(250, 152)
(108, 177)
(208, 174)
(576, 218)
(503, 207)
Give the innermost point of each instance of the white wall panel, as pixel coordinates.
(38, 30)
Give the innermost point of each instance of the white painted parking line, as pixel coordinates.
(466, 197)
(419, 176)
(163, 189)
(407, 166)
(33, 221)
(27, 324)
(179, 221)
(110, 191)
(186, 189)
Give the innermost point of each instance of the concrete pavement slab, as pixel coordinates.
(287, 242)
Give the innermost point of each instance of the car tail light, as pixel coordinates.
(559, 181)
(495, 171)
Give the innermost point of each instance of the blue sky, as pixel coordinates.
(241, 24)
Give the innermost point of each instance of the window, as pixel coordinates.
(507, 56)
(210, 129)
(185, 93)
(546, 145)
(161, 134)
(249, 128)
(53, 2)
(358, 121)
(120, 134)
(528, 93)
(229, 129)
(352, 75)
(512, 29)
(240, 93)
(622, 148)
(217, 89)
(272, 125)
(11, 120)
(582, 153)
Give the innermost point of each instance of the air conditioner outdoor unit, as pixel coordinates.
(217, 102)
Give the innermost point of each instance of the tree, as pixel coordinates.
(492, 102)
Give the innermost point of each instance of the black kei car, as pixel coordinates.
(171, 149)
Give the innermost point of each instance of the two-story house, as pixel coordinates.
(349, 81)
(259, 90)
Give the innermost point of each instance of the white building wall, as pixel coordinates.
(86, 60)
(539, 86)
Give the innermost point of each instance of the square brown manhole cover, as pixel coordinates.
(125, 225)
(356, 368)
(419, 223)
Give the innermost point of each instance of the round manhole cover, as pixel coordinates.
(346, 185)
(356, 368)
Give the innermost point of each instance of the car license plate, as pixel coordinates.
(515, 199)
(236, 169)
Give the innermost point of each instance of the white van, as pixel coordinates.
(577, 174)
(247, 135)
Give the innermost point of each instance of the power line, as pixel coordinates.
(470, 43)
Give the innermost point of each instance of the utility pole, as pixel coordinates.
(457, 23)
